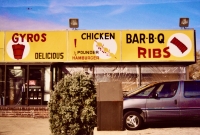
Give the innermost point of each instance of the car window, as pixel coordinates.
(167, 90)
(145, 92)
(136, 90)
(139, 89)
(192, 89)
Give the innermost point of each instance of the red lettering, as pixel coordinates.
(149, 51)
(43, 37)
(167, 53)
(37, 37)
(29, 37)
(22, 36)
(156, 53)
(15, 39)
(141, 51)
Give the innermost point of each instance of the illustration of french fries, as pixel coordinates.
(105, 50)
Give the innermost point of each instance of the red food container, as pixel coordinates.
(18, 50)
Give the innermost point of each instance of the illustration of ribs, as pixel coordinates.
(179, 44)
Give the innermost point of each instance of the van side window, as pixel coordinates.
(192, 89)
(167, 90)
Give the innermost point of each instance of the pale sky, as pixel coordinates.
(99, 14)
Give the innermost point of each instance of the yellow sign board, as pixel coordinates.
(158, 46)
(37, 46)
(1, 46)
(98, 46)
(94, 46)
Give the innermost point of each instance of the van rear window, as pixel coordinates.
(192, 89)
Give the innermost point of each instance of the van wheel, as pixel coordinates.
(132, 120)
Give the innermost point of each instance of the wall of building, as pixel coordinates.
(24, 111)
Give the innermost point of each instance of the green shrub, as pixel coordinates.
(72, 105)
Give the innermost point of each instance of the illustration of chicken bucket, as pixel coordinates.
(18, 50)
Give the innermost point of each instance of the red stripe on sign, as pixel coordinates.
(182, 47)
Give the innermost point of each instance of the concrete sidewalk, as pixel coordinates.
(31, 126)
(24, 126)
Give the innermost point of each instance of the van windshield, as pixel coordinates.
(138, 89)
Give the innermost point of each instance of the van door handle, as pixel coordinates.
(175, 102)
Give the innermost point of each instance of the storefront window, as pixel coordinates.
(25, 85)
(15, 81)
(36, 85)
(107, 73)
(127, 74)
(154, 73)
(70, 69)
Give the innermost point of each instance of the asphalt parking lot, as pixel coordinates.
(31, 126)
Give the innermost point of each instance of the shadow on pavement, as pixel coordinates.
(172, 124)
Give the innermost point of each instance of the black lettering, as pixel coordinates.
(101, 36)
(54, 55)
(48, 54)
(43, 56)
(151, 38)
(40, 55)
(36, 55)
(135, 38)
(88, 36)
(61, 55)
(142, 38)
(107, 36)
(112, 35)
(82, 36)
(95, 35)
(57, 55)
(161, 38)
(128, 38)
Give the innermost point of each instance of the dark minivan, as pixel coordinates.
(162, 101)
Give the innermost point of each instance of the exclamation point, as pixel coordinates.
(75, 43)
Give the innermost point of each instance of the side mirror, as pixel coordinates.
(155, 95)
